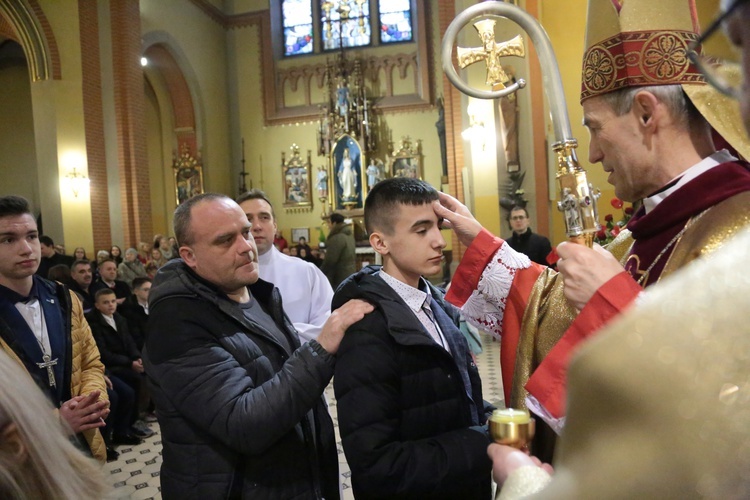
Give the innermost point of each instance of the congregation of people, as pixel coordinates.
(632, 359)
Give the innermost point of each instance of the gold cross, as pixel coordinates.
(490, 52)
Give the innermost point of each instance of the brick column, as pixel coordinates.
(453, 141)
(131, 121)
(94, 122)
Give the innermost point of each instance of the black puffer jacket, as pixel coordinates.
(241, 416)
(404, 415)
(535, 246)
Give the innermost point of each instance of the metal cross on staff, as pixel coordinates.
(490, 52)
(570, 176)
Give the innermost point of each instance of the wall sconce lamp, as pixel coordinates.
(77, 181)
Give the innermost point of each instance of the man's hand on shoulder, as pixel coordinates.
(585, 270)
(338, 322)
(456, 216)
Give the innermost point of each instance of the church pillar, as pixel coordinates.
(129, 101)
(94, 124)
(453, 114)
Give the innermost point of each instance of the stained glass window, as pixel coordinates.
(395, 21)
(298, 27)
(345, 22)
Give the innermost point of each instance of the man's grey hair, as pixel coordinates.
(679, 105)
(182, 213)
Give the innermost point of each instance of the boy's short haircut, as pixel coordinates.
(139, 281)
(382, 203)
(102, 292)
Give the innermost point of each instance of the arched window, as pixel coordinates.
(395, 21)
(297, 22)
(347, 23)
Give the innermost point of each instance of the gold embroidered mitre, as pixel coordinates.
(638, 42)
(632, 43)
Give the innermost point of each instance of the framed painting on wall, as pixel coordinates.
(407, 160)
(296, 179)
(188, 176)
(300, 232)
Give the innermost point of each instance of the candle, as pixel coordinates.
(510, 416)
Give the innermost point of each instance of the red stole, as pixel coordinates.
(653, 232)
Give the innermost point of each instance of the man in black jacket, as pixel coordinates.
(238, 399)
(535, 246)
(410, 405)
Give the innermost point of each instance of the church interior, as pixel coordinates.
(114, 111)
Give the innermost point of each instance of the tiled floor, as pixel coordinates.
(136, 474)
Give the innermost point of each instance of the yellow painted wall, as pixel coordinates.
(17, 149)
(203, 43)
(60, 137)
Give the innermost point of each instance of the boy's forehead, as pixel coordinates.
(411, 214)
(17, 222)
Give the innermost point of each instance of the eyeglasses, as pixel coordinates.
(711, 66)
(518, 217)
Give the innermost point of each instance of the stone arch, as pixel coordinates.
(171, 82)
(30, 28)
(164, 56)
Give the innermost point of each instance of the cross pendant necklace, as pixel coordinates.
(48, 364)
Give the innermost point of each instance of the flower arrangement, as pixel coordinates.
(611, 229)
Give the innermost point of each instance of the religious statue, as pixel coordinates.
(569, 206)
(440, 125)
(342, 99)
(490, 52)
(322, 183)
(509, 111)
(374, 174)
(347, 178)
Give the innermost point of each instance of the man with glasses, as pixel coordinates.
(650, 116)
(658, 405)
(524, 240)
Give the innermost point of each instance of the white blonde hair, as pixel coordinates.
(51, 467)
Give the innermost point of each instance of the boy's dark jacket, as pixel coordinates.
(404, 415)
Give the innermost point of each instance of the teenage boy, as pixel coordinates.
(410, 405)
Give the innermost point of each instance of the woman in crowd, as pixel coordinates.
(131, 268)
(116, 254)
(162, 243)
(80, 253)
(157, 260)
(144, 252)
